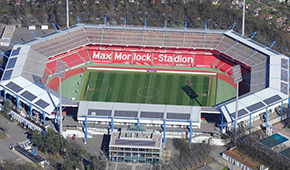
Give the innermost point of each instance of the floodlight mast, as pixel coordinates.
(67, 14)
(237, 79)
(60, 70)
(244, 15)
(60, 107)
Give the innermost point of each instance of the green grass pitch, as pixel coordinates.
(147, 87)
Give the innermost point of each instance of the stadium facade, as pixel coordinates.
(135, 146)
(31, 65)
(139, 113)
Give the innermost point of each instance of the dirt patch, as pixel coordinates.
(2, 135)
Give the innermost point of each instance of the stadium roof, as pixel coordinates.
(8, 32)
(273, 84)
(269, 69)
(250, 103)
(142, 111)
(30, 92)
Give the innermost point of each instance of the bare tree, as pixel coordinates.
(188, 157)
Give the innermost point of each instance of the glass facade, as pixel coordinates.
(138, 155)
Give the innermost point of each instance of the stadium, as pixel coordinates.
(151, 76)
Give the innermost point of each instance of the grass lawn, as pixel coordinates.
(147, 87)
(71, 85)
(224, 92)
(219, 90)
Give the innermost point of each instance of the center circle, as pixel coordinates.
(147, 92)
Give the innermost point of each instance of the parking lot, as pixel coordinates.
(14, 135)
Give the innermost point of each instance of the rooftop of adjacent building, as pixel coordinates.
(136, 139)
(244, 159)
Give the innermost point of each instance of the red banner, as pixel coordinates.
(122, 57)
(100, 56)
(183, 60)
(142, 59)
(162, 59)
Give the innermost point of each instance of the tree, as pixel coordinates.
(51, 143)
(95, 162)
(66, 165)
(75, 152)
(189, 156)
(262, 153)
(36, 138)
(88, 167)
(7, 107)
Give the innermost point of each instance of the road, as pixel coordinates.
(15, 135)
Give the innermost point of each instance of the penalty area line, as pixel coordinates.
(106, 92)
(148, 88)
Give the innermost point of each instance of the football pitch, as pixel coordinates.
(148, 87)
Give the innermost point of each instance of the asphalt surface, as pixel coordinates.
(128, 166)
(93, 145)
(14, 135)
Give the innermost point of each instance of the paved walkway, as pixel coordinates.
(212, 166)
(93, 145)
(221, 161)
(128, 166)
(279, 128)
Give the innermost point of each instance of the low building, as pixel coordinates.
(242, 161)
(136, 146)
(7, 35)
